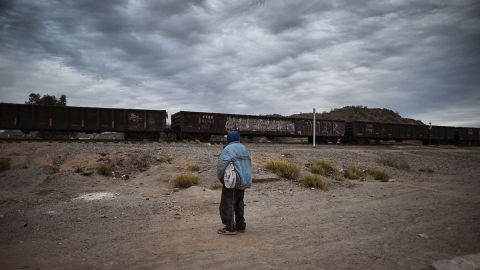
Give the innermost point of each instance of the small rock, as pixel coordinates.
(125, 177)
(178, 217)
(25, 225)
(423, 235)
(104, 216)
(312, 188)
(391, 180)
(147, 199)
(176, 190)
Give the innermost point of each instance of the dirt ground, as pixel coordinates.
(56, 212)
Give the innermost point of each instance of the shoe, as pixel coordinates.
(224, 231)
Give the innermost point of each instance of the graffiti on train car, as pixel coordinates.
(134, 117)
(325, 128)
(263, 125)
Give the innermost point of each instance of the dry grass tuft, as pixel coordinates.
(379, 174)
(193, 168)
(394, 161)
(315, 181)
(4, 164)
(186, 180)
(104, 169)
(354, 173)
(165, 159)
(215, 186)
(283, 168)
(323, 167)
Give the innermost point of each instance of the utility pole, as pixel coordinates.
(429, 133)
(314, 127)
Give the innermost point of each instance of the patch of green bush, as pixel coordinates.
(283, 168)
(104, 169)
(354, 173)
(4, 164)
(186, 180)
(379, 174)
(394, 161)
(315, 181)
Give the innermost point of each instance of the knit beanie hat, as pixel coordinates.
(233, 136)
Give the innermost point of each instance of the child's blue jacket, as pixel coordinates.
(239, 155)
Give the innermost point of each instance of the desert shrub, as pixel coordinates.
(215, 186)
(193, 168)
(426, 170)
(283, 168)
(312, 180)
(104, 169)
(287, 154)
(4, 164)
(394, 161)
(323, 167)
(165, 159)
(379, 174)
(354, 173)
(186, 180)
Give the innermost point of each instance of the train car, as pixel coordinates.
(467, 136)
(363, 132)
(135, 124)
(439, 135)
(202, 125)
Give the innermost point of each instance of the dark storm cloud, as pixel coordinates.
(259, 56)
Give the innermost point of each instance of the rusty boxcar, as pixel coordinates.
(188, 124)
(134, 123)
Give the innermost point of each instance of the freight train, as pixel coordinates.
(135, 124)
(150, 124)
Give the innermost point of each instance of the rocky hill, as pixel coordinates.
(362, 113)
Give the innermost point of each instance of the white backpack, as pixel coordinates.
(230, 176)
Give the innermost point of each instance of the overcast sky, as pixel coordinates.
(420, 58)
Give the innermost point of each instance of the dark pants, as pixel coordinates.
(231, 208)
